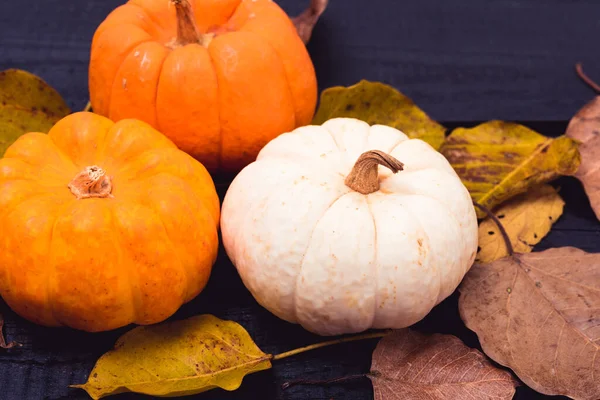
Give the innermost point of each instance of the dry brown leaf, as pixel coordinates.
(585, 127)
(527, 218)
(408, 365)
(306, 21)
(539, 314)
(3, 343)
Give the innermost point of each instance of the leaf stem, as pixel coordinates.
(331, 342)
(507, 242)
(88, 106)
(322, 382)
(586, 78)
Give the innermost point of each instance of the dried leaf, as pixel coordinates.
(177, 359)
(412, 366)
(27, 104)
(527, 218)
(28, 91)
(497, 160)
(306, 21)
(539, 314)
(3, 343)
(585, 127)
(378, 103)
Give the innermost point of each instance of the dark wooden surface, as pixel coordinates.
(463, 62)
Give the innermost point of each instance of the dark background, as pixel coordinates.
(462, 61)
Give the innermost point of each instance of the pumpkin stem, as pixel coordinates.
(364, 177)
(91, 182)
(187, 31)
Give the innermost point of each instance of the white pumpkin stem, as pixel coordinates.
(92, 182)
(187, 30)
(364, 177)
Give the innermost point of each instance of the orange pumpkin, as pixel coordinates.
(103, 225)
(220, 78)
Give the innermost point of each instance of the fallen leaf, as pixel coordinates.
(497, 160)
(3, 343)
(585, 127)
(177, 359)
(410, 365)
(27, 104)
(539, 314)
(306, 21)
(378, 103)
(26, 90)
(527, 218)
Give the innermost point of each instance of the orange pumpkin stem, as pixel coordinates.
(92, 182)
(187, 30)
(364, 177)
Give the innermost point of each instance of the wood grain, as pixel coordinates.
(472, 60)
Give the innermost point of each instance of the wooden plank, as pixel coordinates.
(468, 60)
(460, 61)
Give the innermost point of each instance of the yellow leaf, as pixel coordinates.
(378, 103)
(177, 359)
(26, 90)
(14, 122)
(527, 218)
(27, 104)
(498, 160)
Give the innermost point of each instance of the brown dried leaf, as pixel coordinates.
(585, 127)
(539, 314)
(306, 21)
(527, 218)
(3, 343)
(408, 365)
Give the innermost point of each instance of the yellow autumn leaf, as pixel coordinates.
(526, 218)
(497, 160)
(177, 358)
(27, 104)
(378, 103)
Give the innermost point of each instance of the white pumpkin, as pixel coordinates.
(324, 237)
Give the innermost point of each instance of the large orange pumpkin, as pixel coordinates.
(103, 225)
(220, 78)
